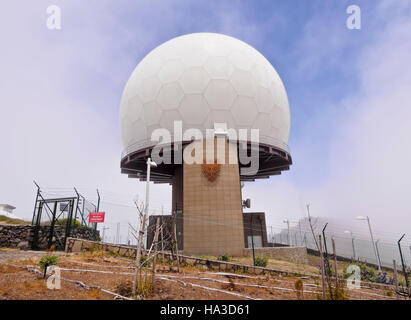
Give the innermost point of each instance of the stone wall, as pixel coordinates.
(292, 254)
(21, 236)
(16, 236)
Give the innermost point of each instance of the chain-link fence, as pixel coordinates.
(347, 246)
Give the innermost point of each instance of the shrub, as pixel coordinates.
(64, 221)
(125, 288)
(339, 294)
(261, 262)
(298, 285)
(94, 293)
(224, 257)
(143, 261)
(49, 260)
(367, 273)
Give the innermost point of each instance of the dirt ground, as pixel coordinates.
(102, 271)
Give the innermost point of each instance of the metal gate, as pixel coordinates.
(56, 219)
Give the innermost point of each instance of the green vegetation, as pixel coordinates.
(224, 257)
(338, 294)
(298, 285)
(367, 273)
(7, 220)
(49, 260)
(143, 261)
(63, 222)
(261, 262)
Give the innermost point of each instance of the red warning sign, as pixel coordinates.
(96, 217)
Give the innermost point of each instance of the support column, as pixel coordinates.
(213, 216)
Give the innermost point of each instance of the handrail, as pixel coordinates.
(147, 143)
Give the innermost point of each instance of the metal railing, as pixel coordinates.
(148, 143)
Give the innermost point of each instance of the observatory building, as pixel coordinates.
(206, 82)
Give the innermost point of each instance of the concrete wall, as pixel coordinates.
(213, 218)
(292, 254)
(21, 236)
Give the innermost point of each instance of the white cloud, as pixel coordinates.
(370, 152)
(58, 128)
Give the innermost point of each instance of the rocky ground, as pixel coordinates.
(98, 272)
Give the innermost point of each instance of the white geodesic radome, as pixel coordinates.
(202, 79)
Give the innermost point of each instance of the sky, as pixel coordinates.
(349, 93)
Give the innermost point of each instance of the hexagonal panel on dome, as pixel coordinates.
(170, 96)
(151, 128)
(244, 111)
(149, 89)
(139, 130)
(133, 85)
(283, 132)
(150, 66)
(194, 109)
(221, 46)
(196, 56)
(220, 94)
(261, 75)
(168, 117)
(278, 93)
(171, 70)
(241, 60)
(278, 117)
(151, 113)
(275, 135)
(194, 80)
(243, 83)
(219, 116)
(264, 100)
(263, 123)
(218, 67)
(172, 49)
(134, 108)
(126, 133)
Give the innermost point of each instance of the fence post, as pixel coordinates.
(335, 263)
(155, 254)
(176, 244)
(162, 241)
(394, 263)
(322, 267)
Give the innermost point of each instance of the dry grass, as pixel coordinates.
(281, 265)
(16, 283)
(94, 294)
(9, 249)
(7, 220)
(7, 269)
(26, 262)
(125, 288)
